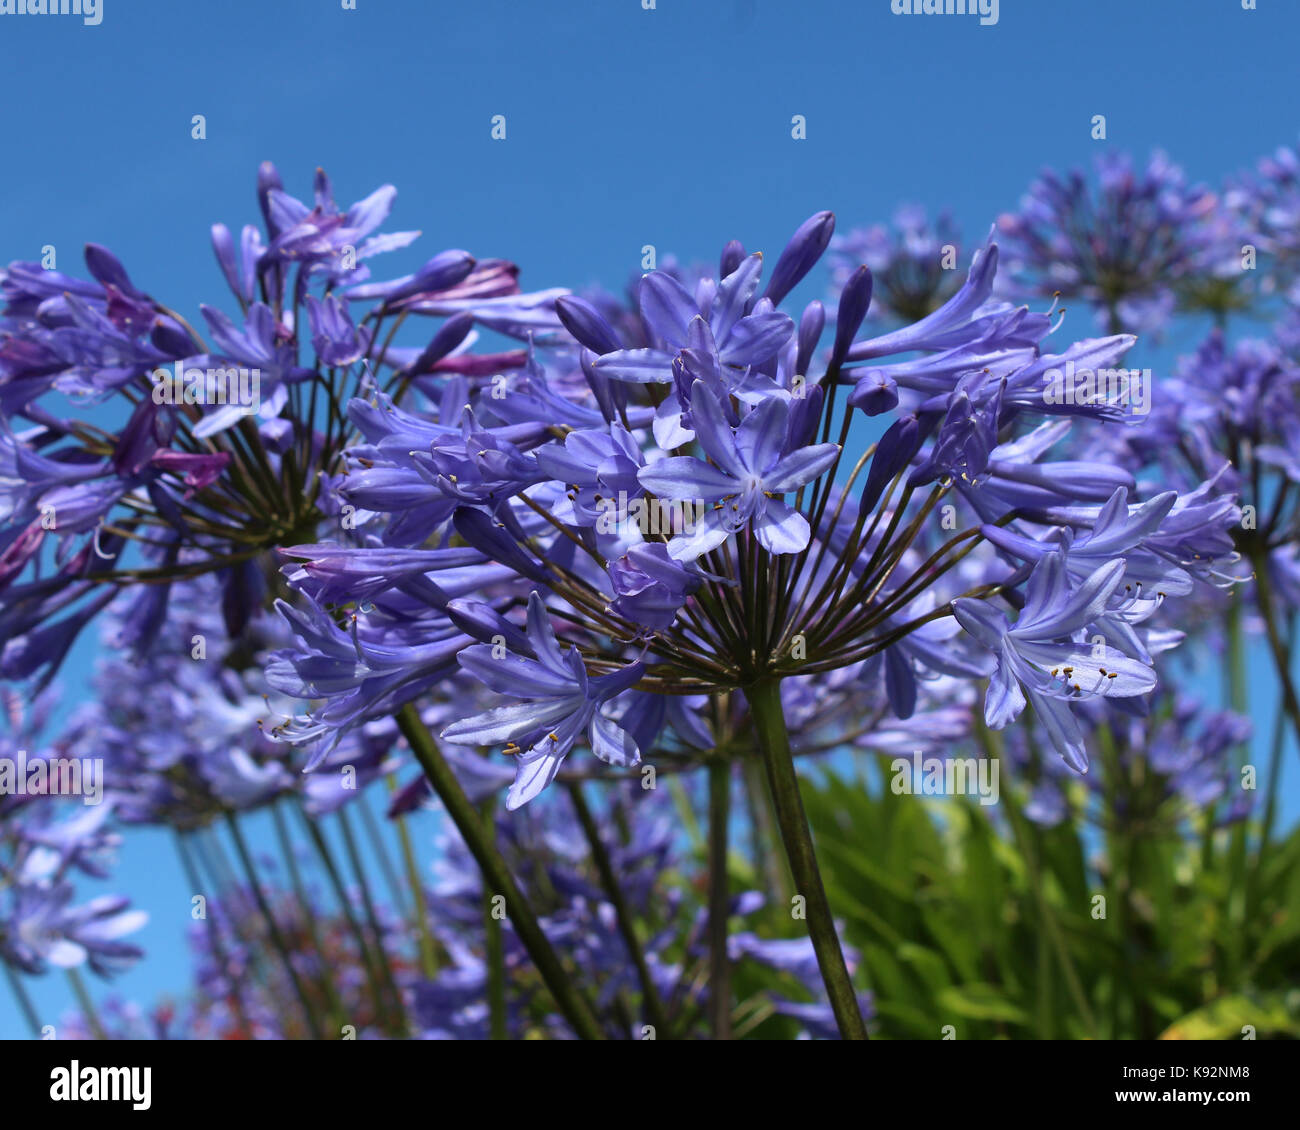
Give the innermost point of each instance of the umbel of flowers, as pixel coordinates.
(649, 532)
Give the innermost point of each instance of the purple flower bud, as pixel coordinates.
(442, 272)
(146, 431)
(268, 181)
(409, 797)
(609, 394)
(108, 270)
(806, 415)
(800, 255)
(484, 623)
(875, 394)
(167, 336)
(894, 452)
(732, 256)
(493, 540)
(810, 333)
(855, 300)
(452, 332)
(587, 324)
(223, 244)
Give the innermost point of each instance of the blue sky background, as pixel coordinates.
(624, 127)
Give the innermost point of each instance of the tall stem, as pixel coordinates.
(1274, 776)
(494, 948)
(227, 967)
(326, 980)
(345, 908)
(719, 899)
(428, 954)
(774, 743)
(654, 1009)
(24, 1001)
(382, 963)
(87, 1005)
(496, 875)
(1281, 660)
(272, 928)
(380, 850)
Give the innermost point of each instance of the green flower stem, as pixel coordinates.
(349, 915)
(1235, 902)
(719, 899)
(428, 953)
(202, 845)
(236, 999)
(336, 1011)
(382, 963)
(496, 875)
(1270, 794)
(24, 1000)
(380, 851)
(494, 947)
(774, 743)
(277, 939)
(1281, 660)
(87, 1005)
(654, 1008)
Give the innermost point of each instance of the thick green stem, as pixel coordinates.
(719, 900)
(494, 948)
(496, 875)
(774, 743)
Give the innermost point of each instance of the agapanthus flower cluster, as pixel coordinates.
(1170, 766)
(613, 532)
(232, 435)
(915, 264)
(1268, 199)
(49, 839)
(1128, 247)
(706, 528)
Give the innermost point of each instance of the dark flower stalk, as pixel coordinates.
(277, 939)
(496, 875)
(774, 742)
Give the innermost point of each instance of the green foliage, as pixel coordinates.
(974, 917)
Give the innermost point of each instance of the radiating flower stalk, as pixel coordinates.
(700, 534)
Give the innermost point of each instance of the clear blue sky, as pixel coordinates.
(624, 127)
